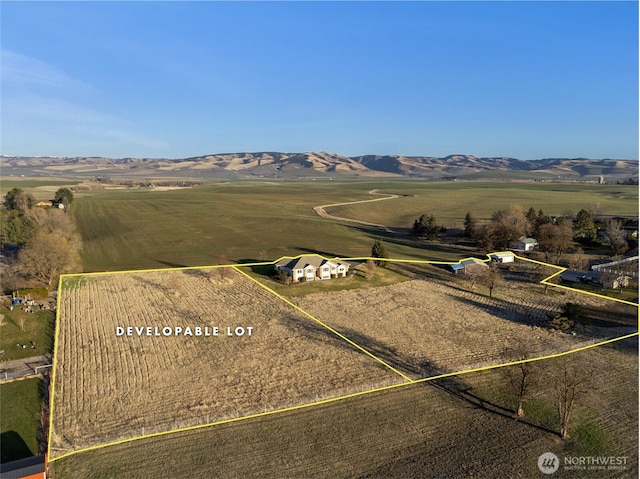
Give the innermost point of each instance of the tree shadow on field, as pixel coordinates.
(403, 237)
(535, 316)
(627, 346)
(199, 273)
(611, 315)
(530, 316)
(457, 388)
(170, 264)
(243, 261)
(417, 367)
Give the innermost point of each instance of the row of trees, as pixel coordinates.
(39, 243)
(570, 379)
(554, 234)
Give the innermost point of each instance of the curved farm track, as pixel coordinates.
(321, 210)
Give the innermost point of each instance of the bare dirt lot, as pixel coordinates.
(423, 327)
(110, 387)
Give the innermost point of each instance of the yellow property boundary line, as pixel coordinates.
(408, 381)
(323, 324)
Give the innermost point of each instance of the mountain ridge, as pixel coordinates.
(272, 164)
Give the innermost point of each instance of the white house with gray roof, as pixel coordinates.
(312, 267)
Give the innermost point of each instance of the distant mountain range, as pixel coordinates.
(321, 165)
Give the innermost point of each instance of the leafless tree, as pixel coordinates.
(578, 261)
(45, 257)
(554, 239)
(506, 227)
(571, 380)
(492, 278)
(474, 273)
(616, 237)
(371, 269)
(520, 377)
(223, 273)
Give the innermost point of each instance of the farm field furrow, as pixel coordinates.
(424, 328)
(426, 430)
(110, 387)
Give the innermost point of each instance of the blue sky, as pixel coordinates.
(527, 80)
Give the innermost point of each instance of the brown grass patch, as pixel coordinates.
(423, 328)
(109, 388)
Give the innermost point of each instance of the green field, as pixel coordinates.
(262, 221)
(20, 419)
(37, 327)
(40, 188)
(449, 202)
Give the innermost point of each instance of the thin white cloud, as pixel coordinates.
(59, 110)
(42, 114)
(20, 70)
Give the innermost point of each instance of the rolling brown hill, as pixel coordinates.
(322, 164)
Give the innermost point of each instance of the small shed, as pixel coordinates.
(503, 257)
(525, 244)
(467, 265)
(574, 276)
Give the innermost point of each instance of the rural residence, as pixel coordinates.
(312, 267)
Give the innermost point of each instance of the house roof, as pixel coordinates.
(466, 263)
(573, 276)
(305, 261)
(502, 255)
(528, 240)
(22, 467)
(470, 261)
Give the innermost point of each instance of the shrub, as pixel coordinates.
(559, 322)
(33, 293)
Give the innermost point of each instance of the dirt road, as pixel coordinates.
(320, 210)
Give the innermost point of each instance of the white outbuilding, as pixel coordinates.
(503, 257)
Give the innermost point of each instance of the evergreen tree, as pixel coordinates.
(532, 216)
(469, 225)
(378, 250)
(584, 228)
(425, 227)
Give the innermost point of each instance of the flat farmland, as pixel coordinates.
(244, 221)
(264, 220)
(453, 429)
(424, 327)
(109, 387)
(450, 201)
